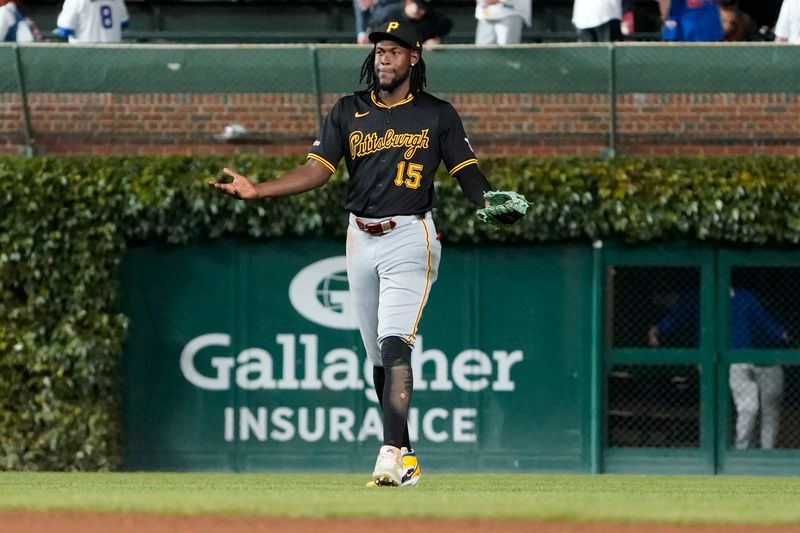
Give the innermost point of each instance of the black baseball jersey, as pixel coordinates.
(392, 153)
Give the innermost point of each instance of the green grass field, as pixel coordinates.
(571, 498)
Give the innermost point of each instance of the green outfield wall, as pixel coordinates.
(563, 68)
(244, 355)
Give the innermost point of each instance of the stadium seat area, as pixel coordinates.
(320, 21)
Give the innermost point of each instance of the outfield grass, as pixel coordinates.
(573, 498)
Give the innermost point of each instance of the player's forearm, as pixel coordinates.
(473, 183)
(301, 179)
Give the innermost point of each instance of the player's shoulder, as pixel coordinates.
(74, 5)
(350, 101)
(427, 99)
(436, 105)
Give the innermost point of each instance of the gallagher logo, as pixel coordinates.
(320, 292)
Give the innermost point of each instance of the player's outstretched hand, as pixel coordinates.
(240, 187)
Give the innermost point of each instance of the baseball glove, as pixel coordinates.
(504, 209)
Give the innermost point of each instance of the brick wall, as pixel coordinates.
(498, 124)
(12, 132)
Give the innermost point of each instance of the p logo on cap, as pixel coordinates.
(405, 34)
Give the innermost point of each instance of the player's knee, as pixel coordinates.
(395, 352)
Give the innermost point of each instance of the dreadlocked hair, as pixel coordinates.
(417, 76)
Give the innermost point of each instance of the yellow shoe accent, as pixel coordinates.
(411, 470)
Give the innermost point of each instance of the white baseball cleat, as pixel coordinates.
(388, 467)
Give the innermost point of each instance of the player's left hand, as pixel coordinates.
(240, 187)
(503, 208)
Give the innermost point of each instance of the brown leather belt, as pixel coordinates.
(382, 227)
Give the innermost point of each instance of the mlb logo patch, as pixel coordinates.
(316, 143)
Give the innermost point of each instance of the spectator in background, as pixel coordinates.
(431, 25)
(363, 9)
(15, 26)
(598, 20)
(736, 24)
(753, 387)
(764, 12)
(787, 29)
(92, 21)
(500, 21)
(628, 25)
(691, 20)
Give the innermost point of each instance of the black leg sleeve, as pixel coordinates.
(396, 355)
(379, 379)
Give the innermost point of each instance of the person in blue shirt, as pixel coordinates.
(691, 21)
(753, 387)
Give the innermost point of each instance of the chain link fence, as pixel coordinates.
(749, 325)
(765, 392)
(651, 306)
(653, 405)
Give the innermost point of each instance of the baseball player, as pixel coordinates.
(92, 21)
(392, 136)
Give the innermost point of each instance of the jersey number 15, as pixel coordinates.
(414, 175)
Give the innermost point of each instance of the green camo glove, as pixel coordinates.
(504, 209)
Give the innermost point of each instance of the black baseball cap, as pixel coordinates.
(399, 32)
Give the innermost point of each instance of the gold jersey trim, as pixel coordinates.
(378, 103)
(322, 160)
(462, 165)
(410, 337)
